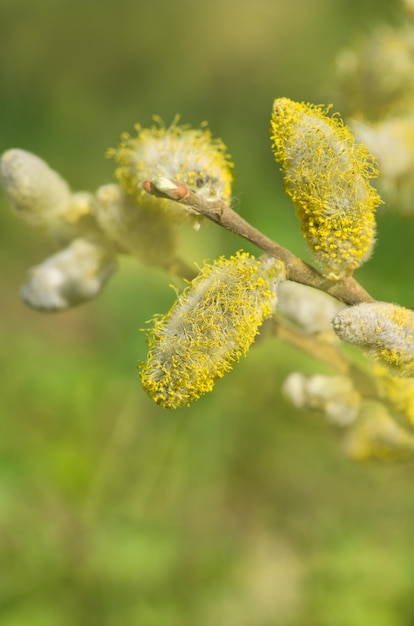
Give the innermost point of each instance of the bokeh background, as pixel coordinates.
(238, 511)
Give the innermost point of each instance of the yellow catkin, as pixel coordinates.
(385, 330)
(397, 393)
(210, 326)
(376, 435)
(191, 156)
(327, 176)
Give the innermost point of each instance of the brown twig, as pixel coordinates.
(347, 290)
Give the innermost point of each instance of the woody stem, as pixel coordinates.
(347, 290)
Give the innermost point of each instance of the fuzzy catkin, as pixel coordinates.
(377, 435)
(391, 141)
(375, 79)
(37, 193)
(334, 396)
(397, 392)
(309, 308)
(327, 176)
(189, 155)
(146, 234)
(385, 330)
(70, 277)
(211, 325)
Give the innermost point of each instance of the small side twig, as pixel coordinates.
(328, 353)
(347, 290)
(320, 350)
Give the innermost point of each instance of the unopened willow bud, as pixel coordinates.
(211, 325)
(37, 193)
(385, 330)
(138, 230)
(375, 79)
(334, 396)
(70, 277)
(376, 435)
(327, 176)
(311, 309)
(391, 141)
(190, 156)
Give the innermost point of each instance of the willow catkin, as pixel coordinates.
(211, 325)
(327, 174)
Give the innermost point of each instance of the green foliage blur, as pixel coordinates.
(238, 511)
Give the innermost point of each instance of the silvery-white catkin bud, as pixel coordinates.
(375, 79)
(70, 277)
(334, 396)
(311, 309)
(37, 193)
(376, 435)
(135, 227)
(385, 330)
(391, 141)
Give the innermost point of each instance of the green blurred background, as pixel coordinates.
(238, 511)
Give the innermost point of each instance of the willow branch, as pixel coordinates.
(329, 354)
(347, 290)
(320, 350)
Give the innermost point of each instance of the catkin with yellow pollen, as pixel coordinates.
(191, 156)
(377, 435)
(397, 392)
(327, 174)
(211, 325)
(385, 330)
